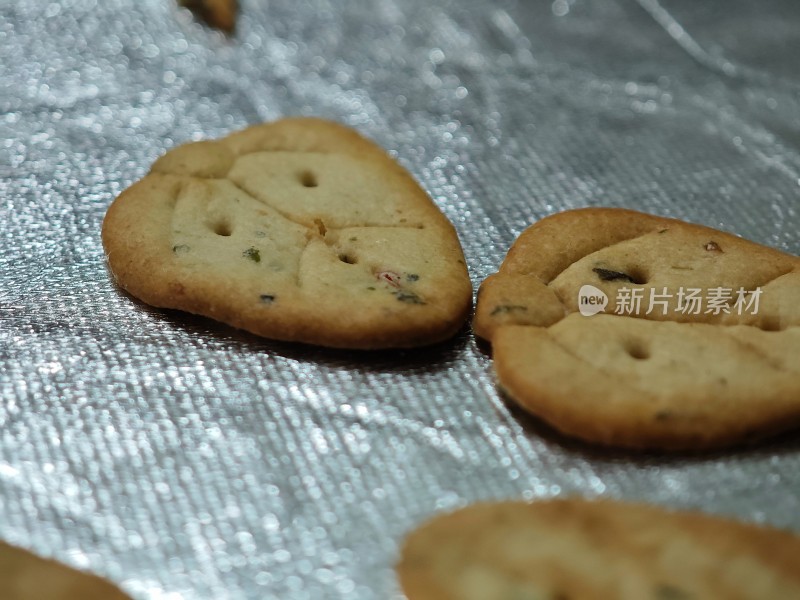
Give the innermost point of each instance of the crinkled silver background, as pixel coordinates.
(183, 459)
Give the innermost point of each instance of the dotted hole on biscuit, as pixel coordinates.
(637, 350)
(771, 324)
(307, 179)
(347, 259)
(222, 228)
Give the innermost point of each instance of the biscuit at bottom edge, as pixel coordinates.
(587, 549)
(27, 576)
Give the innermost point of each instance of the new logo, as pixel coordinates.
(591, 300)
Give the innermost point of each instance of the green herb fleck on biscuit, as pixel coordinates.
(669, 592)
(253, 254)
(507, 308)
(609, 275)
(408, 297)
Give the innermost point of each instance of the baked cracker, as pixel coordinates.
(667, 379)
(217, 13)
(298, 230)
(25, 576)
(573, 549)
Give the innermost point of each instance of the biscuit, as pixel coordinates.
(298, 230)
(572, 549)
(217, 13)
(25, 576)
(715, 375)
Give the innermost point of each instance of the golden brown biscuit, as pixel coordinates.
(25, 576)
(707, 357)
(217, 13)
(573, 549)
(298, 230)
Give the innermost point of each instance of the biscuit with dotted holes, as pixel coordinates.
(666, 375)
(25, 576)
(297, 230)
(573, 549)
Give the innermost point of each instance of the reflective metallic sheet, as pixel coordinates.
(186, 460)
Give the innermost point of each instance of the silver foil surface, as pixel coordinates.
(185, 460)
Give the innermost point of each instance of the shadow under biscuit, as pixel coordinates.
(761, 447)
(483, 346)
(213, 333)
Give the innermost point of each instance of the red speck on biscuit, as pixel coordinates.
(393, 279)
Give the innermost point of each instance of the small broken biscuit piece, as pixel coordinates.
(217, 13)
(695, 346)
(574, 549)
(25, 576)
(298, 230)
